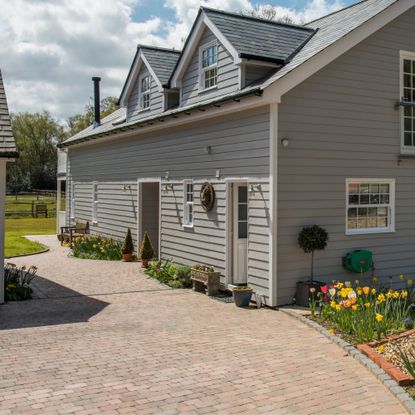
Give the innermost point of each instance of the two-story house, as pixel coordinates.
(290, 125)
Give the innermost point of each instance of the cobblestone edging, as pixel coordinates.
(394, 388)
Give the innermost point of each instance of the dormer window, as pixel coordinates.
(208, 67)
(144, 92)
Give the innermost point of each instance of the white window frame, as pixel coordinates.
(142, 93)
(391, 206)
(72, 200)
(187, 223)
(404, 55)
(95, 203)
(203, 70)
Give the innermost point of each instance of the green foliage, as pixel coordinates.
(204, 267)
(146, 251)
(17, 282)
(174, 276)
(37, 136)
(79, 122)
(312, 239)
(128, 247)
(97, 247)
(268, 12)
(408, 360)
(242, 288)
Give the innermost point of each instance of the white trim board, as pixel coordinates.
(274, 90)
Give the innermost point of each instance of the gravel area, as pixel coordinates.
(391, 351)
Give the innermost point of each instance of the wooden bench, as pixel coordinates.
(70, 233)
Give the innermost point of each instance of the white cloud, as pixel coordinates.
(52, 48)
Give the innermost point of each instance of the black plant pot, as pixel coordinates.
(242, 298)
(303, 293)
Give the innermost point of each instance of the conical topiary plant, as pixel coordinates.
(146, 251)
(128, 247)
(312, 239)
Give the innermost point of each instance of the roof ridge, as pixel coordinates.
(258, 19)
(337, 11)
(171, 50)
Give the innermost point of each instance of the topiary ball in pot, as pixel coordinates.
(311, 239)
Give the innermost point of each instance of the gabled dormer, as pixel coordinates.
(226, 52)
(146, 91)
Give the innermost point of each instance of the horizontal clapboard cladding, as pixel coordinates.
(342, 123)
(238, 146)
(227, 72)
(134, 111)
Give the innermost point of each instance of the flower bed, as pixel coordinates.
(97, 247)
(363, 314)
(17, 282)
(175, 276)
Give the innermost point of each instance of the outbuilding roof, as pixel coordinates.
(7, 144)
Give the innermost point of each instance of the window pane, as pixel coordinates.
(362, 218)
(372, 218)
(407, 66)
(407, 94)
(353, 188)
(353, 199)
(407, 81)
(408, 139)
(243, 194)
(364, 199)
(242, 230)
(352, 218)
(408, 124)
(242, 211)
(384, 188)
(374, 188)
(364, 188)
(374, 199)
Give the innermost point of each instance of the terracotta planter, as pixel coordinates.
(202, 279)
(127, 256)
(144, 263)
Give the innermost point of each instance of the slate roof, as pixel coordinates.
(7, 144)
(317, 36)
(332, 28)
(161, 60)
(258, 38)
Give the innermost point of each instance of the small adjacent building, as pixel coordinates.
(8, 153)
(291, 126)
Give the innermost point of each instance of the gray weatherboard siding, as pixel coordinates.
(239, 148)
(342, 123)
(134, 112)
(228, 76)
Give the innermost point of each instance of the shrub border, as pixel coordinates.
(390, 384)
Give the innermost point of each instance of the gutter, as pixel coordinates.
(161, 118)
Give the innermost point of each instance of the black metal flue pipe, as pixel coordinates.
(97, 115)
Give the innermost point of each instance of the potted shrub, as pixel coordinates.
(310, 239)
(128, 247)
(146, 251)
(202, 276)
(242, 295)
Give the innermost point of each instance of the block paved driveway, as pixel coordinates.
(101, 338)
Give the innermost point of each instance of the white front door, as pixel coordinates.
(240, 233)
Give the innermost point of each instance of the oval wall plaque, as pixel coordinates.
(207, 196)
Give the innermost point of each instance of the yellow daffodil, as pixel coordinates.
(373, 291)
(404, 294)
(396, 295)
(389, 294)
(366, 291)
(381, 298)
(409, 282)
(379, 317)
(331, 331)
(359, 292)
(338, 307)
(333, 304)
(367, 305)
(354, 307)
(339, 285)
(381, 348)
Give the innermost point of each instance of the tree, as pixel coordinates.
(37, 136)
(268, 12)
(79, 122)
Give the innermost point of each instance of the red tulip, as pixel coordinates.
(324, 289)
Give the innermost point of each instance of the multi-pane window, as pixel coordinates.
(145, 85)
(208, 66)
(188, 203)
(242, 212)
(408, 100)
(94, 202)
(370, 205)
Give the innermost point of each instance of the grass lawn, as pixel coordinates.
(16, 244)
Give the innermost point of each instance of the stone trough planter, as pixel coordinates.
(203, 280)
(403, 379)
